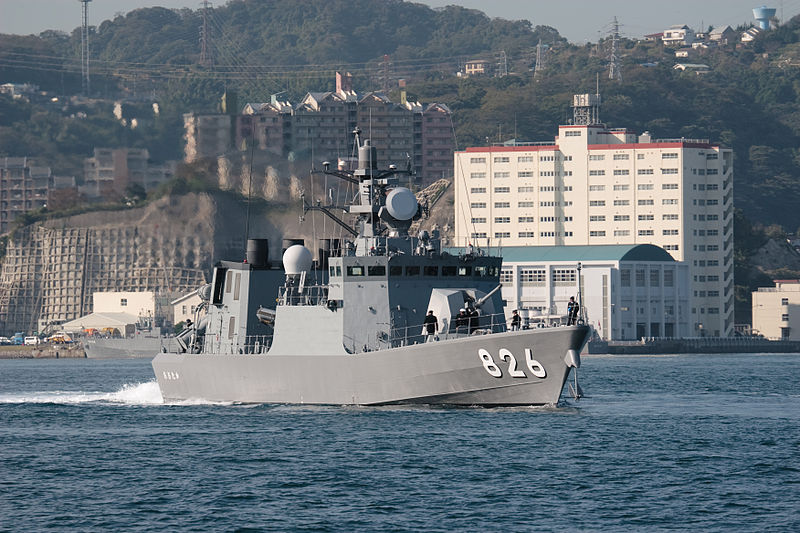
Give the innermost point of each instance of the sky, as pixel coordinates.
(579, 21)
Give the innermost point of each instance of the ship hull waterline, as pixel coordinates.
(451, 372)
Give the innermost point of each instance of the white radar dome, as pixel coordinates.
(401, 203)
(297, 259)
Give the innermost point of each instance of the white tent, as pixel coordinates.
(121, 321)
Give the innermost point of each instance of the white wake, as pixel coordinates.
(146, 393)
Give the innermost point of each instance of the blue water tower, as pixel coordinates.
(762, 15)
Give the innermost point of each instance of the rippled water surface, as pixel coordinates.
(707, 443)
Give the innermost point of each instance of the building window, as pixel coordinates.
(501, 160)
(669, 232)
(530, 276)
(621, 187)
(669, 155)
(502, 220)
(526, 189)
(644, 187)
(597, 234)
(597, 187)
(597, 203)
(479, 220)
(640, 277)
(123, 302)
(620, 157)
(477, 205)
(645, 232)
(525, 204)
(784, 301)
(645, 202)
(622, 202)
(669, 186)
(477, 175)
(669, 170)
(625, 277)
(597, 172)
(478, 235)
(596, 157)
(525, 174)
(507, 275)
(527, 234)
(572, 133)
(597, 218)
(621, 232)
(655, 278)
(477, 160)
(669, 278)
(499, 175)
(525, 159)
(502, 235)
(502, 189)
(477, 190)
(621, 218)
(527, 219)
(669, 217)
(621, 172)
(563, 277)
(644, 171)
(501, 205)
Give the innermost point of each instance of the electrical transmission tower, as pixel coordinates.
(539, 67)
(205, 53)
(502, 64)
(85, 48)
(614, 72)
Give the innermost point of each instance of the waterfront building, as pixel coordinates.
(628, 291)
(25, 187)
(594, 185)
(776, 310)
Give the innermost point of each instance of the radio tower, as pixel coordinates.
(205, 56)
(85, 48)
(614, 73)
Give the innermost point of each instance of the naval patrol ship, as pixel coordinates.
(349, 327)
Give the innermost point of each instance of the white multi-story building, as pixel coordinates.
(627, 291)
(595, 185)
(776, 310)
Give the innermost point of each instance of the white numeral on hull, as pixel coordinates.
(170, 376)
(504, 354)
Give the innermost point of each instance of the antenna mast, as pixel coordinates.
(85, 47)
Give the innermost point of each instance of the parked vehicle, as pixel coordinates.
(18, 339)
(61, 337)
(32, 341)
(5, 341)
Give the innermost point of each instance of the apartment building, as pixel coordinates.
(25, 187)
(320, 127)
(110, 171)
(595, 185)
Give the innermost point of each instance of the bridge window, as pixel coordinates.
(480, 271)
(376, 270)
(431, 270)
(448, 270)
(412, 271)
(395, 270)
(355, 270)
(464, 271)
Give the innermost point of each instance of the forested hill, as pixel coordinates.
(749, 100)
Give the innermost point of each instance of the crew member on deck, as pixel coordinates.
(431, 324)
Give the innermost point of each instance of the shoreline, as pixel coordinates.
(43, 352)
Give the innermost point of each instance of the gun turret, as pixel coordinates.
(478, 303)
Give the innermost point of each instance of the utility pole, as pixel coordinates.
(614, 72)
(85, 47)
(205, 55)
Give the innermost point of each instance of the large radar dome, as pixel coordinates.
(401, 203)
(297, 259)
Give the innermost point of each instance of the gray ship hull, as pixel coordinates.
(140, 347)
(487, 370)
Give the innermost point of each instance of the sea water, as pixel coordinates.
(663, 443)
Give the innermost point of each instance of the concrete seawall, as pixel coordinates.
(44, 351)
